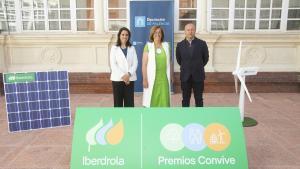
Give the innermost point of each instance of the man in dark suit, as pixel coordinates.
(192, 55)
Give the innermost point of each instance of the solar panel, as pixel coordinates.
(37, 100)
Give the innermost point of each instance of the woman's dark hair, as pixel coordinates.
(119, 34)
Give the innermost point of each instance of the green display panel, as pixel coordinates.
(158, 138)
(19, 77)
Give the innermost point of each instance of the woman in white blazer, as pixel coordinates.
(123, 64)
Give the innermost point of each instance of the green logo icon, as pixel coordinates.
(103, 134)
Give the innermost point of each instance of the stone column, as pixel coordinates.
(202, 25)
(3, 41)
(99, 17)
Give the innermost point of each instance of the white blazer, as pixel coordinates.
(120, 65)
(151, 67)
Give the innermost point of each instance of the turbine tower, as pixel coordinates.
(240, 74)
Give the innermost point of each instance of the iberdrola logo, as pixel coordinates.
(105, 134)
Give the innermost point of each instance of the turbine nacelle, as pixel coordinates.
(246, 71)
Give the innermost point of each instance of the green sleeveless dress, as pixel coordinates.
(160, 93)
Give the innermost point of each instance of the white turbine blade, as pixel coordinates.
(239, 56)
(244, 86)
(236, 83)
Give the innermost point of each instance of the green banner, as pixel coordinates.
(158, 138)
(19, 77)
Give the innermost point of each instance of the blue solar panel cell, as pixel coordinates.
(44, 105)
(53, 85)
(64, 103)
(13, 117)
(45, 114)
(33, 96)
(63, 94)
(35, 115)
(52, 76)
(42, 86)
(23, 107)
(54, 95)
(21, 87)
(62, 75)
(41, 101)
(10, 88)
(54, 104)
(44, 95)
(32, 87)
(46, 123)
(24, 116)
(25, 125)
(42, 76)
(63, 85)
(14, 127)
(34, 106)
(12, 107)
(36, 124)
(55, 113)
(11, 98)
(22, 97)
(65, 121)
(56, 122)
(65, 112)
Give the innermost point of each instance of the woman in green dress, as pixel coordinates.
(156, 70)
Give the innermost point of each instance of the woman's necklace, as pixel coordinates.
(158, 49)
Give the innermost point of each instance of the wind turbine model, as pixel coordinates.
(241, 73)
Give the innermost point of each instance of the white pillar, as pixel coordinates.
(2, 54)
(1, 59)
(99, 16)
(202, 15)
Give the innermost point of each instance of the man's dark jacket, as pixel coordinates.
(192, 59)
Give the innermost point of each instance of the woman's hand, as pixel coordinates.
(125, 78)
(145, 83)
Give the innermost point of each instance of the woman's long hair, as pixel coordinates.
(119, 39)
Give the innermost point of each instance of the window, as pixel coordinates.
(47, 15)
(187, 13)
(258, 15)
(117, 14)
(59, 15)
(219, 14)
(7, 15)
(33, 16)
(85, 15)
(293, 21)
(244, 14)
(270, 14)
(247, 11)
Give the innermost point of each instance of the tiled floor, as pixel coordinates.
(273, 144)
